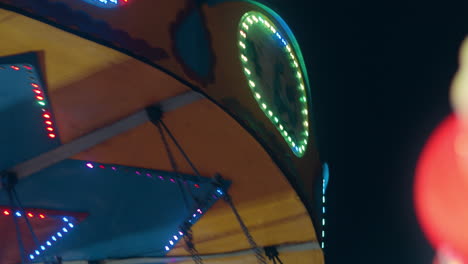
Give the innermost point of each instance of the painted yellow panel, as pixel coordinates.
(67, 57)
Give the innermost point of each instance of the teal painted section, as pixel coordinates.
(193, 46)
(23, 134)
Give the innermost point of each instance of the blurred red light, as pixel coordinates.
(35, 85)
(30, 215)
(52, 135)
(41, 216)
(38, 97)
(197, 186)
(101, 166)
(37, 91)
(46, 115)
(27, 67)
(50, 129)
(6, 212)
(48, 122)
(441, 190)
(15, 68)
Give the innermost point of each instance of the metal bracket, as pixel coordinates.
(8, 180)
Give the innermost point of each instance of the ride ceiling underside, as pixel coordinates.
(100, 65)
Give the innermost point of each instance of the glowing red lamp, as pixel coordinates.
(441, 189)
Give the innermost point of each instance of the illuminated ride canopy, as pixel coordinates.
(87, 138)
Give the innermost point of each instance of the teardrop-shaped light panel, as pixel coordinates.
(274, 71)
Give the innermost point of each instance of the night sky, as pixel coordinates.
(380, 74)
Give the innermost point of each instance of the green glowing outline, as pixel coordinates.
(255, 18)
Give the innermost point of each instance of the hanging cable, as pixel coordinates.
(187, 159)
(197, 173)
(173, 165)
(190, 246)
(188, 235)
(35, 239)
(228, 199)
(17, 228)
(8, 182)
(258, 251)
(155, 115)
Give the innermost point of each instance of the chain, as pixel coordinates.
(258, 252)
(188, 235)
(188, 238)
(174, 166)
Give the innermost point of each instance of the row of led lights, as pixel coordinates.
(19, 214)
(53, 239)
(296, 146)
(173, 241)
(40, 99)
(137, 172)
(323, 213)
(111, 2)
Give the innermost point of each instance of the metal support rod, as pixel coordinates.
(90, 140)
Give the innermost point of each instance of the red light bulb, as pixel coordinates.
(50, 129)
(39, 97)
(30, 215)
(6, 212)
(48, 122)
(41, 216)
(52, 135)
(15, 68)
(46, 115)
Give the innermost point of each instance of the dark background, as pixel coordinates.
(380, 73)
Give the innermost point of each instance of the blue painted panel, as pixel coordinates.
(23, 134)
(130, 214)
